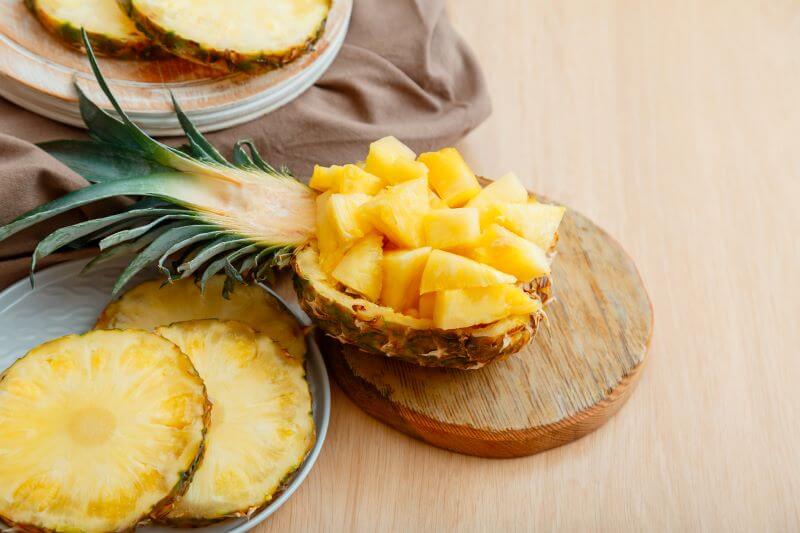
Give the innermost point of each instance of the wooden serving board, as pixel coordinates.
(578, 371)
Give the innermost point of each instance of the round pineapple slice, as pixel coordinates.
(261, 425)
(384, 331)
(98, 431)
(247, 35)
(110, 31)
(154, 304)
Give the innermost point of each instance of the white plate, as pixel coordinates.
(37, 73)
(64, 302)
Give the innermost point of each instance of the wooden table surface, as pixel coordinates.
(676, 126)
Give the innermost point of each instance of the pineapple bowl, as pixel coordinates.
(401, 255)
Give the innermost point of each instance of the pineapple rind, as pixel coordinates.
(381, 330)
(224, 59)
(60, 356)
(134, 45)
(261, 426)
(152, 304)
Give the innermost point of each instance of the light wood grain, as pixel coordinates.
(674, 125)
(581, 367)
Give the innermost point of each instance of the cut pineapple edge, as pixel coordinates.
(418, 237)
(261, 426)
(99, 431)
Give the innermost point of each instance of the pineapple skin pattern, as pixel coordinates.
(228, 60)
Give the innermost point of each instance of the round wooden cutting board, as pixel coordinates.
(578, 371)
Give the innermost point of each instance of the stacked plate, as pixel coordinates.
(37, 73)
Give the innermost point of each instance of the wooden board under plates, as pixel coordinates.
(37, 72)
(578, 371)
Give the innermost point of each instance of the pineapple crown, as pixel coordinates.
(197, 214)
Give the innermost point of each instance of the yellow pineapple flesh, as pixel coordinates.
(450, 228)
(325, 178)
(445, 270)
(360, 268)
(98, 431)
(427, 302)
(348, 220)
(330, 250)
(398, 212)
(505, 190)
(261, 425)
(461, 308)
(450, 176)
(393, 161)
(510, 253)
(354, 179)
(535, 221)
(402, 273)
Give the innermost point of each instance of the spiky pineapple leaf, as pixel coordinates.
(201, 148)
(216, 247)
(100, 161)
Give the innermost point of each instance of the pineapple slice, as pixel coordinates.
(450, 228)
(99, 431)
(402, 273)
(360, 268)
(357, 180)
(398, 212)
(536, 222)
(462, 308)
(261, 425)
(450, 176)
(394, 161)
(445, 270)
(427, 303)
(508, 252)
(506, 190)
(325, 178)
(153, 303)
(345, 214)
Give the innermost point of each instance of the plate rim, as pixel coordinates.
(319, 386)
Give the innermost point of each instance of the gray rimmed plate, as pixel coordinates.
(64, 302)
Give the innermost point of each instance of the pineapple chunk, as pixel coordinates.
(354, 179)
(324, 178)
(346, 216)
(398, 212)
(448, 228)
(360, 268)
(427, 302)
(393, 161)
(506, 190)
(450, 176)
(508, 252)
(327, 241)
(461, 308)
(445, 270)
(434, 201)
(536, 222)
(402, 273)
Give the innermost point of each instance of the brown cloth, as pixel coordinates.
(402, 71)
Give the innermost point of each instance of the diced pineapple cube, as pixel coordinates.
(398, 212)
(445, 270)
(461, 308)
(348, 220)
(393, 161)
(353, 179)
(360, 268)
(327, 240)
(510, 253)
(506, 190)
(324, 178)
(402, 273)
(450, 176)
(448, 228)
(536, 222)
(427, 302)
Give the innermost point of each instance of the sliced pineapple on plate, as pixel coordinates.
(261, 425)
(110, 31)
(99, 431)
(152, 304)
(247, 35)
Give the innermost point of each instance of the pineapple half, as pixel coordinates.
(246, 35)
(99, 431)
(152, 304)
(110, 31)
(200, 215)
(261, 424)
